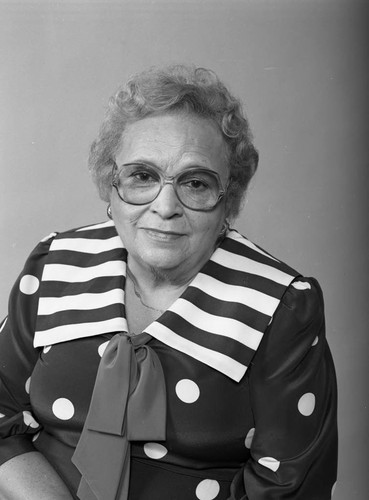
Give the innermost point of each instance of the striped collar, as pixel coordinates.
(219, 320)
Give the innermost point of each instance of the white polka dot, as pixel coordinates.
(29, 420)
(155, 450)
(306, 404)
(333, 489)
(47, 348)
(2, 415)
(187, 390)
(102, 348)
(249, 438)
(301, 285)
(35, 437)
(3, 325)
(46, 238)
(207, 489)
(27, 384)
(315, 341)
(270, 462)
(63, 409)
(29, 284)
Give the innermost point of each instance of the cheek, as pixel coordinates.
(209, 226)
(125, 215)
(126, 223)
(130, 219)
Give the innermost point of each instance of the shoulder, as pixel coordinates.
(89, 240)
(58, 240)
(36, 259)
(303, 301)
(296, 330)
(100, 230)
(301, 296)
(237, 244)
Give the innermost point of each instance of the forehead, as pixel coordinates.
(174, 142)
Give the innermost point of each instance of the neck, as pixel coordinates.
(154, 279)
(154, 288)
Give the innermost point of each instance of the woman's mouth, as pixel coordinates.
(162, 235)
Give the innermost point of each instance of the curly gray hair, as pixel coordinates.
(177, 88)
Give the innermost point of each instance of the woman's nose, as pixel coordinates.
(167, 204)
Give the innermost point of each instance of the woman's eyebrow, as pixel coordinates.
(150, 163)
(139, 162)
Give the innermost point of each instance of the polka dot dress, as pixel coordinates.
(225, 440)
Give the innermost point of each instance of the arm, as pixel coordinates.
(30, 477)
(293, 397)
(24, 472)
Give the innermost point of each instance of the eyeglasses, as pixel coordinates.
(196, 188)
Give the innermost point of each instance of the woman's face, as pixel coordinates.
(164, 235)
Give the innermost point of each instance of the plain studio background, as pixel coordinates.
(301, 68)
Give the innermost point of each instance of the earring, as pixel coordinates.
(224, 229)
(108, 211)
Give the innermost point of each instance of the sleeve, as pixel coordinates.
(294, 402)
(18, 357)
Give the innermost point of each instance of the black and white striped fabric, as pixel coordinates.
(219, 320)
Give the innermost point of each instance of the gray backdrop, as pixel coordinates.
(301, 67)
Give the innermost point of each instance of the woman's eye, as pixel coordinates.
(143, 176)
(196, 184)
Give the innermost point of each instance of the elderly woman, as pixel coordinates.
(162, 355)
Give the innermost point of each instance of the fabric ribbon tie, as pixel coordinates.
(128, 404)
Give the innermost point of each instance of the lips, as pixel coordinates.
(162, 235)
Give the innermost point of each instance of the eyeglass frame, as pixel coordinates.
(168, 180)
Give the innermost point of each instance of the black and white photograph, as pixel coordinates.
(183, 258)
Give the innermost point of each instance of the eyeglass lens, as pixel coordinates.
(196, 188)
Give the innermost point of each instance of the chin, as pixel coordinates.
(163, 260)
